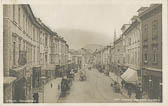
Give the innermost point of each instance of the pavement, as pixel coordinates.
(96, 89)
(124, 91)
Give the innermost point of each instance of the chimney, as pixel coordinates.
(134, 18)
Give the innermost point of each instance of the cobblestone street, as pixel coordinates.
(96, 89)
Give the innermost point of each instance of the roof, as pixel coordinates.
(28, 9)
(142, 9)
(36, 21)
(131, 26)
(123, 26)
(147, 10)
(9, 80)
(118, 40)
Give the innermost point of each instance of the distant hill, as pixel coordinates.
(93, 47)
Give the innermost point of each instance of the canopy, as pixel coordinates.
(130, 76)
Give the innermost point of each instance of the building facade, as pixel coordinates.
(28, 46)
(132, 46)
(151, 19)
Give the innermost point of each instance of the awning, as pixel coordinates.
(130, 76)
(9, 80)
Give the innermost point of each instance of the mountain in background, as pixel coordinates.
(79, 38)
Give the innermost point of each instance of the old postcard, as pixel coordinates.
(84, 52)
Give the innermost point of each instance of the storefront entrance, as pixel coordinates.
(19, 90)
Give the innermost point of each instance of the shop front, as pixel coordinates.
(49, 72)
(36, 75)
(130, 76)
(19, 85)
(20, 90)
(152, 83)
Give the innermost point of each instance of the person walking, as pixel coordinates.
(51, 85)
(129, 92)
(138, 93)
(36, 97)
(122, 83)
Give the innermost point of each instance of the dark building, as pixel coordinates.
(151, 27)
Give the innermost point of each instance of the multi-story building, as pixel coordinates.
(28, 46)
(21, 49)
(151, 20)
(118, 51)
(66, 53)
(131, 43)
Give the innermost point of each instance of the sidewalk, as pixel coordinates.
(124, 91)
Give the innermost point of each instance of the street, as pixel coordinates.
(51, 94)
(95, 89)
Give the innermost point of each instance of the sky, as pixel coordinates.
(82, 24)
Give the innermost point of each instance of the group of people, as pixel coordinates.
(138, 90)
(67, 81)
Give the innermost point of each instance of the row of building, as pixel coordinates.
(31, 52)
(136, 56)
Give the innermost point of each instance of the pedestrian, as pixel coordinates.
(129, 92)
(51, 85)
(35, 97)
(138, 93)
(122, 83)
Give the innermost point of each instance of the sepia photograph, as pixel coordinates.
(83, 53)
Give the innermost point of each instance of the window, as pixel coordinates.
(136, 59)
(46, 58)
(46, 39)
(14, 18)
(154, 29)
(26, 24)
(19, 44)
(145, 58)
(23, 22)
(28, 27)
(33, 33)
(19, 15)
(37, 35)
(155, 57)
(129, 41)
(145, 32)
(24, 45)
(14, 53)
(34, 54)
